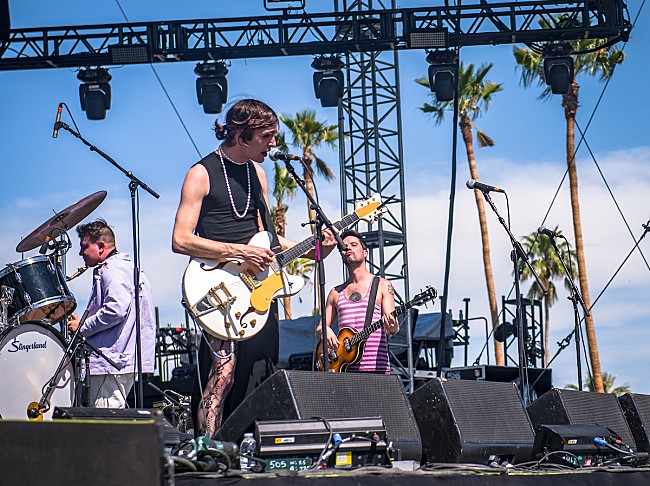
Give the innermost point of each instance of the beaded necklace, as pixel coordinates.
(225, 174)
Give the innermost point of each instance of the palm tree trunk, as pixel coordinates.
(466, 130)
(570, 105)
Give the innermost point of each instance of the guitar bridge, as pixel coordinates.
(249, 280)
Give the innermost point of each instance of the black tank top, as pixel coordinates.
(217, 220)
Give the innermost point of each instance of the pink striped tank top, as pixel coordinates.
(353, 315)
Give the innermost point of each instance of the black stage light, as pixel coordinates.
(443, 73)
(558, 67)
(95, 92)
(328, 80)
(211, 86)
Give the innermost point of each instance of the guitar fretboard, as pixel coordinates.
(287, 256)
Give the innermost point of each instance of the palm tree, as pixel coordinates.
(283, 186)
(474, 96)
(594, 58)
(608, 385)
(309, 134)
(548, 267)
(303, 267)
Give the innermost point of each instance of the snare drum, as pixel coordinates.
(40, 290)
(29, 356)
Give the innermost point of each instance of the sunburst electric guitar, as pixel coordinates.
(231, 300)
(352, 343)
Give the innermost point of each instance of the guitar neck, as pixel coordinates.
(287, 256)
(368, 330)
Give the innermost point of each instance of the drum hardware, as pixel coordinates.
(78, 344)
(6, 296)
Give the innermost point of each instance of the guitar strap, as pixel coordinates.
(267, 221)
(371, 301)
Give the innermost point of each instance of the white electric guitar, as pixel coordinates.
(231, 300)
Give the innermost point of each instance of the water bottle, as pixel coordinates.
(248, 447)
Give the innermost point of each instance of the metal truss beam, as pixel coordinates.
(481, 23)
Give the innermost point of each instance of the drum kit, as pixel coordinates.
(37, 366)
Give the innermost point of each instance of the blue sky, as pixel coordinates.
(142, 133)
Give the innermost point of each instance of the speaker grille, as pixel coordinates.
(341, 395)
(636, 409)
(488, 411)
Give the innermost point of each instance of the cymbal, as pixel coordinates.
(67, 218)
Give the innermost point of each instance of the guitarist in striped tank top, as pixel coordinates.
(348, 303)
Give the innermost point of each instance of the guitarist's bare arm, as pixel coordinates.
(387, 296)
(184, 241)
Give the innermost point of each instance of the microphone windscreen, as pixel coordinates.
(470, 184)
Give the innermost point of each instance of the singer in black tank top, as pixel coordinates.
(256, 358)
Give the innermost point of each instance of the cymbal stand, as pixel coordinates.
(35, 410)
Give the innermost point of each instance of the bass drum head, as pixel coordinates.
(29, 356)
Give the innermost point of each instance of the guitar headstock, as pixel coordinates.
(426, 295)
(370, 209)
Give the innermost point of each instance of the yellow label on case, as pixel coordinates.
(344, 458)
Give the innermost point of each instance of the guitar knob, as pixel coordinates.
(237, 315)
(253, 322)
(241, 333)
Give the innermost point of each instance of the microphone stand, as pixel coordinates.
(321, 219)
(516, 254)
(134, 183)
(574, 298)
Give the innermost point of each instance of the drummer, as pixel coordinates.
(110, 324)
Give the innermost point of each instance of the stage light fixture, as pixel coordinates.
(558, 67)
(211, 85)
(95, 92)
(328, 80)
(443, 72)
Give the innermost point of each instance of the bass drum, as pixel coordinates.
(29, 356)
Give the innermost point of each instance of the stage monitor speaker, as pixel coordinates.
(561, 406)
(64, 452)
(540, 379)
(636, 408)
(293, 395)
(469, 421)
(170, 435)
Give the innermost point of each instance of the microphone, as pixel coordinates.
(275, 154)
(550, 233)
(472, 184)
(55, 133)
(45, 245)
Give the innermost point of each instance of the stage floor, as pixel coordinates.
(447, 474)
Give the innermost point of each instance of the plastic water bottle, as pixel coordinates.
(248, 447)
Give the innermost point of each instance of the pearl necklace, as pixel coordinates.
(225, 174)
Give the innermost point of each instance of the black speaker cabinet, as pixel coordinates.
(540, 379)
(636, 408)
(291, 395)
(468, 421)
(65, 452)
(570, 407)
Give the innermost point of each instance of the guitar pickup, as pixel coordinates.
(251, 282)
